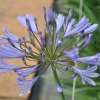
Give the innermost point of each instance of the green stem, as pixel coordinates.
(74, 85)
(57, 80)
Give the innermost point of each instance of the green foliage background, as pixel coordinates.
(91, 8)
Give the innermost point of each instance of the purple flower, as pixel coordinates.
(81, 26)
(28, 24)
(21, 82)
(13, 39)
(22, 20)
(30, 50)
(10, 52)
(32, 22)
(90, 29)
(73, 54)
(94, 60)
(59, 22)
(43, 41)
(85, 74)
(8, 35)
(26, 84)
(51, 15)
(58, 88)
(65, 68)
(46, 16)
(4, 67)
(25, 73)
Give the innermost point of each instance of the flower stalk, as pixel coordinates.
(58, 81)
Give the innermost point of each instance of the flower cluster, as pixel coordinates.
(51, 48)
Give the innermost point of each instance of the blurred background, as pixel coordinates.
(44, 89)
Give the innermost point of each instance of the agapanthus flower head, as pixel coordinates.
(49, 49)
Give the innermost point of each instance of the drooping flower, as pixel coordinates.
(25, 84)
(85, 74)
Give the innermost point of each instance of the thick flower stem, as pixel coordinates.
(57, 81)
